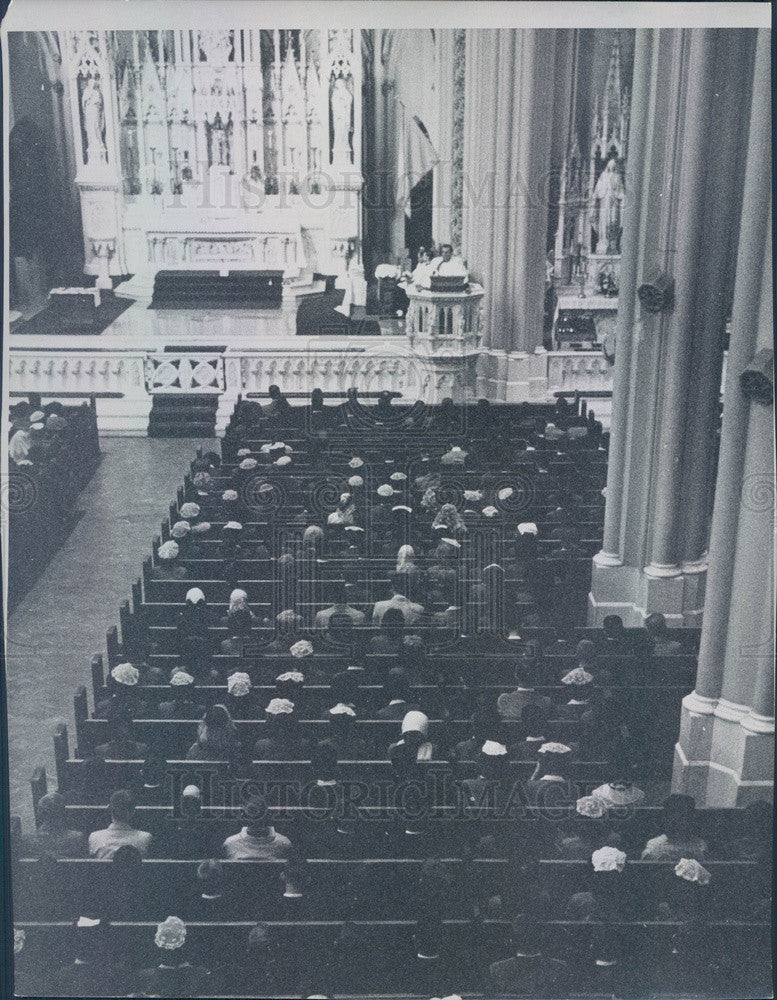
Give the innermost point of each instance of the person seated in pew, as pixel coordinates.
(121, 693)
(549, 785)
(606, 898)
(289, 632)
(52, 835)
(660, 637)
(414, 744)
(572, 841)
(196, 546)
(615, 640)
(238, 602)
(92, 971)
(257, 841)
(397, 691)
(491, 788)
(278, 411)
(193, 619)
(258, 969)
(485, 725)
(196, 661)
(183, 703)
(684, 892)
(680, 838)
(121, 745)
(531, 970)
(230, 552)
(104, 843)
(168, 567)
(350, 746)
(618, 794)
(339, 606)
(399, 600)
(239, 702)
(284, 740)
(533, 730)
(510, 704)
(753, 840)
(391, 634)
(174, 976)
(217, 736)
(239, 624)
(344, 689)
(600, 964)
(583, 693)
(449, 523)
(344, 513)
(210, 902)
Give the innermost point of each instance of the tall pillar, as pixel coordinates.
(679, 220)
(725, 753)
(507, 142)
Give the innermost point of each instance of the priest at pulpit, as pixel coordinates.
(448, 264)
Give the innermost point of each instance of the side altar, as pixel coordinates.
(234, 149)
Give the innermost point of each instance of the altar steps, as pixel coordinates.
(211, 290)
(183, 416)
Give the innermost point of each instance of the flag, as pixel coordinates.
(416, 155)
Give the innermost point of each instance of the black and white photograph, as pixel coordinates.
(387, 496)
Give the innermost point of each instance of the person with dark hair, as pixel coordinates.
(105, 843)
(399, 601)
(659, 633)
(124, 893)
(257, 841)
(52, 835)
(259, 970)
(217, 736)
(91, 973)
(391, 633)
(397, 691)
(339, 606)
(210, 903)
(510, 704)
(485, 725)
(121, 745)
(680, 838)
(278, 410)
(531, 970)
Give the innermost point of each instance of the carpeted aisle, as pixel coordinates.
(63, 619)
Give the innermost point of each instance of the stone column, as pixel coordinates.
(507, 141)
(686, 133)
(724, 755)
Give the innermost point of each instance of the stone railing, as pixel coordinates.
(136, 373)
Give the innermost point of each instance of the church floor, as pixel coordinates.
(62, 621)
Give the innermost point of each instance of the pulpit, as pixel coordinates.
(444, 331)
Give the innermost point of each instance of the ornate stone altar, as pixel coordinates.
(235, 148)
(586, 257)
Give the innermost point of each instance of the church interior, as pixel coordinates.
(388, 525)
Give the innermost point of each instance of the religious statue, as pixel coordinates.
(609, 195)
(93, 108)
(342, 101)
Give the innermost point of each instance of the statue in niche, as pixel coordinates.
(609, 194)
(93, 109)
(342, 102)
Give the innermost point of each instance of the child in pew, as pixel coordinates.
(52, 835)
